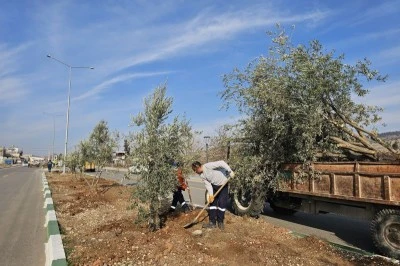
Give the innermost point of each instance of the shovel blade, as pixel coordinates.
(186, 226)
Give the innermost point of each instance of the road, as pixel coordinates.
(118, 175)
(22, 232)
(334, 228)
(331, 227)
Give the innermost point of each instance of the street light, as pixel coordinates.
(54, 130)
(69, 99)
(207, 139)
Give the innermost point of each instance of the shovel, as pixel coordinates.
(190, 194)
(195, 221)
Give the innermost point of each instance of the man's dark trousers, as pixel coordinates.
(218, 206)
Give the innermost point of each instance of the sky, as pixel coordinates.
(134, 46)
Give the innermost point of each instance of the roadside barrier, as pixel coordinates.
(55, 255)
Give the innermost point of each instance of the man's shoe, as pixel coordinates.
(185, 208)
(221, 226)
(210, 225)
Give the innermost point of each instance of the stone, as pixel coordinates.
(197, 232)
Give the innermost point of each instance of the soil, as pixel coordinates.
(98, 229)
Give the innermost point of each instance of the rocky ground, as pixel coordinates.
(98, 229)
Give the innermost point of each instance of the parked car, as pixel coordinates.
(136, 168)
(34, 164)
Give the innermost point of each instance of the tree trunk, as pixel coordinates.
(355, 148)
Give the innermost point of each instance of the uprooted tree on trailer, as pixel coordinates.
(155, 146)
(298, 106)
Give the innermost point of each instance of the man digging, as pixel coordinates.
(214, 175)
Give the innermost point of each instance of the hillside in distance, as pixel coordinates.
(392, 135)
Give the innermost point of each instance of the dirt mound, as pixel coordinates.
(98, 229)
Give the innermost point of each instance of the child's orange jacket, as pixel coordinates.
(181, 179)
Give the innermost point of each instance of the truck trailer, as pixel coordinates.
(364, 190)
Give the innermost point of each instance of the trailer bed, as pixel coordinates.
(374, 182)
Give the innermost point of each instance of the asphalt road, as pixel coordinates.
(118, 175)
(22, 232)
(334, 228)
(331, 227)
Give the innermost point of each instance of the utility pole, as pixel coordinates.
(54, 132)
(207, 139)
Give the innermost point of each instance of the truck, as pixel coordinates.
(363, 190)
(89, 167)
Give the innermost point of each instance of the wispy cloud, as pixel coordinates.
(210, 128)
(371, 36)
(388, 56)
(383, 9)
(122, 78)
(210, 28)
(9, 58)
(346, 17)
(12, 86)
(11, 90)
(391, 120)
(384, 95)
(142, 44)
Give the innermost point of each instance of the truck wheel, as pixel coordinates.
(245, 203)
(385, 228)
(281, 210)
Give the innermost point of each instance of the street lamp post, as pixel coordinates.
(207, 139)
(68, 102)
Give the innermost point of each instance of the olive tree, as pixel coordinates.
(297, 105)
(73, 161)
(101, 146)
(84, 154)
(158, 141)
(97, 149)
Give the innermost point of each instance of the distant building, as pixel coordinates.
(2, 154)
(119, 158)
(13, 152)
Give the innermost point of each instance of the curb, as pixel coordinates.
(348, 248)
(55, 254)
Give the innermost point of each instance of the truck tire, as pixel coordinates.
(246, 203)
(385, 229)
(281, 210)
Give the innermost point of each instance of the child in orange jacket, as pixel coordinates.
(178, 196)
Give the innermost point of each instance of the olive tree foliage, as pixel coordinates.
(84, 154)
(155, 145)
(102, 143)
(97, 149)
(73, 161)
(297, 106)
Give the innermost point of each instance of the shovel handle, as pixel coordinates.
(190, 194)
(208, 203)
